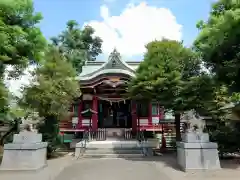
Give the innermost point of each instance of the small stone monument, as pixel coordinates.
(26, 152)
(196, 152)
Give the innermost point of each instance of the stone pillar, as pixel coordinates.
(197, 153)
(95, 115)
(27, 152)
(150, 114)
(134, 116)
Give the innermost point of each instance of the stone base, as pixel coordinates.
(197, 156)
(192, 137)
(24, 157)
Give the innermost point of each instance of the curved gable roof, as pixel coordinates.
(115, 64)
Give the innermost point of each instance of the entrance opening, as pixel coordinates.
(115, 114)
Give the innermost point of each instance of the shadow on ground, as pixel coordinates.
(1, 153)
(57, 154)
(169, 159)
(232, 163)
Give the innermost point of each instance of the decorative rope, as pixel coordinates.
(111, 100)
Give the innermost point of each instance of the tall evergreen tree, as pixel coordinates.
(171, 74)
(51, 93)
(78, 46)
(22, 42)
(219, 45)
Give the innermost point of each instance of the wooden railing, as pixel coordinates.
(98, 135)
(128, 134)
(101, 134)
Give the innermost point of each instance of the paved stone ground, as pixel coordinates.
(161, 168)
(112, 169)
(167, 163)
(55, 166)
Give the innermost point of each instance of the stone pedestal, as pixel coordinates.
(197, 153)
(27, 152)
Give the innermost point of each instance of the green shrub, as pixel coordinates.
(227, 138)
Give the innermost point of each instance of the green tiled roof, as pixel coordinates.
(114, 64)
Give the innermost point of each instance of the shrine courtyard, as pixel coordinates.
(161, 168)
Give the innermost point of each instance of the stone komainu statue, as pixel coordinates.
(194, 122)
(27, 127)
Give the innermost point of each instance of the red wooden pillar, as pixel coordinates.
(80, 105)
(134, 116)
(95, 115)
(150, 114)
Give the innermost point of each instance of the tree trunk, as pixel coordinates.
(50, 133)
(177, 126)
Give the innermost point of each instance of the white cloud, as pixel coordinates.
(135, 27)
(128, 32)
(15, 85)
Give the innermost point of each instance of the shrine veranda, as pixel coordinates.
(103, 105)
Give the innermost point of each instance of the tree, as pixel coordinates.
(54, 87)
(21, 41)
(218, 42)
(78, 46)
(171, 75)
(51, 93)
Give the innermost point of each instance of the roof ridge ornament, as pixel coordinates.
(115, 53)
(114, 57)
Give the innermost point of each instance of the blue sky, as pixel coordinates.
(125, 24)
(186, 12)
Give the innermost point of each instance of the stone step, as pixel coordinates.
(117, 144)
(112, 155)
(113, 151)
(114, 148)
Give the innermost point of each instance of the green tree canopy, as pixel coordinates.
(218, 42)
(21, 41)
(78, 46)
(168, 73)
(171, 74)
(54, 87)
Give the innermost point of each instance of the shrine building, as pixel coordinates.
(103, 103)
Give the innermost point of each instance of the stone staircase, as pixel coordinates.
(109, 148)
